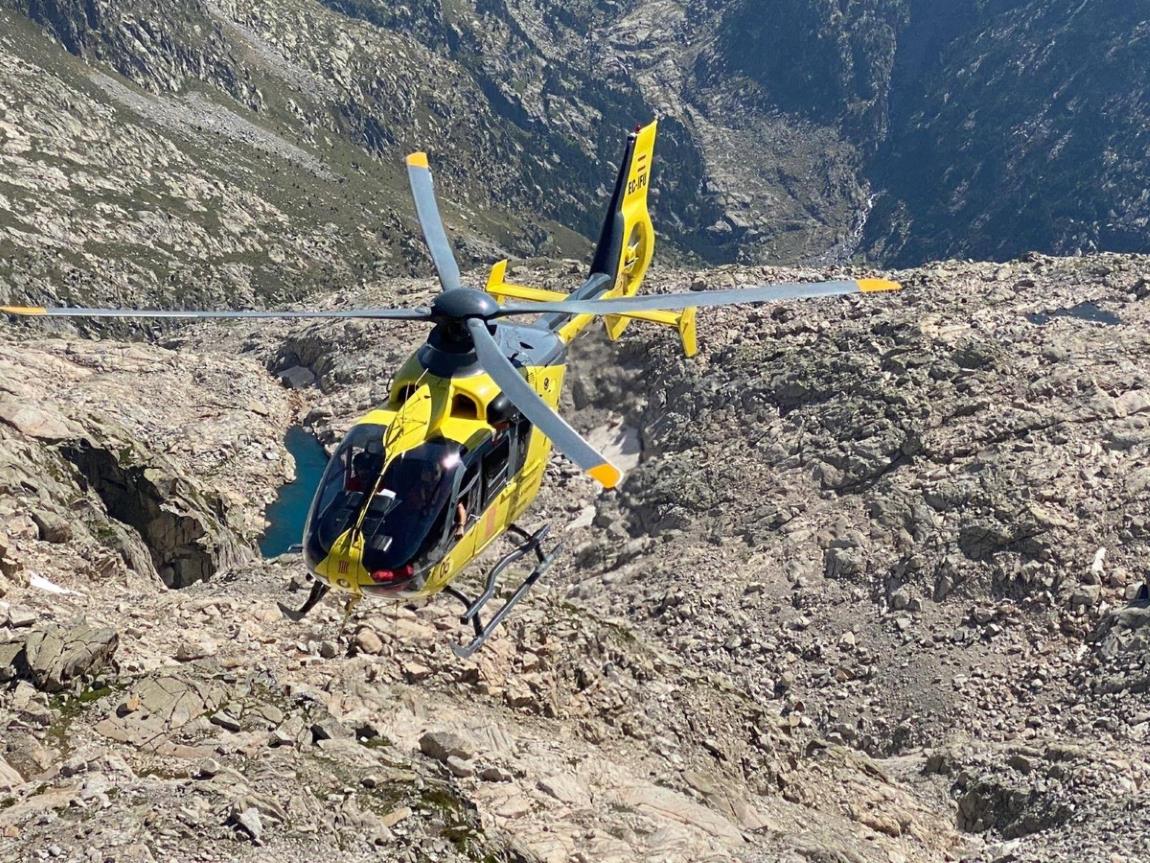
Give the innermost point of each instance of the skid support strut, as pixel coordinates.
(531, 543)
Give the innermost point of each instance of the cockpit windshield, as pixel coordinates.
(406, 514)
(422, 481)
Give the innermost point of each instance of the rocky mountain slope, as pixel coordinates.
(296, 116)
(241, 151)
(870, 594)
(170, 188)
(1015, 126)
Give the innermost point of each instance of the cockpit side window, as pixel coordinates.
(470, 489)
(522, 443)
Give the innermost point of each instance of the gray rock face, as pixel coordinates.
(297, 377)
(159, 706)
(957, 180)
(863, 597)
(54, 658)
(95, 480)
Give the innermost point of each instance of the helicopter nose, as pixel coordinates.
(341, 567)
(337, 565)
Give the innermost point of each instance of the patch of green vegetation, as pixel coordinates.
(457, 823)
(440, 799)
(468, 840)
(55, 469)
(333, 768)
(71, 705)
(104, 532)
(386, 798)
(68, 707)
(163, 773)
(460, 824)
(89, 696)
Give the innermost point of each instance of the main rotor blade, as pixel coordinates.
(523, 396)
(696, 299)
(79, 312)
(423, 191)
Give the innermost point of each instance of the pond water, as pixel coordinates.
(288, 512)
(1088, 311)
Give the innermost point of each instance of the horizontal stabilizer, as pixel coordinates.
(683, 321)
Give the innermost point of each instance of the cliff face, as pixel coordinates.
(984, 129)
(828, 62)
(1016, 126)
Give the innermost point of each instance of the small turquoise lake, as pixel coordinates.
(288, 512)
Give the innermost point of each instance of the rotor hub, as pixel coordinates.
(462, 304)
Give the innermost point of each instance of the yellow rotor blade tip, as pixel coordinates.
(874, 286)
(607, 475)
(417, 160)
(22, 310)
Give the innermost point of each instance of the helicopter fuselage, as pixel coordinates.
(422, 486)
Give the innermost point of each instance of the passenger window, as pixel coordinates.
(437, 538)
(522, 442)
(495, 467)
(470, 489)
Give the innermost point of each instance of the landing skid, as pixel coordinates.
(318, 591)
(531, 543)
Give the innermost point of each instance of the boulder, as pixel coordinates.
(9, 777)
(442, 745)
(297, 377)
(367, 641)
(54, 657)
(11, 659)
(53, 528)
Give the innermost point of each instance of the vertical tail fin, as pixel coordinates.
(627, 239)
(626, 245)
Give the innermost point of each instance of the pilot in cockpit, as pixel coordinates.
(365, 467)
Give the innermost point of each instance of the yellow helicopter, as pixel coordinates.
(419, 488)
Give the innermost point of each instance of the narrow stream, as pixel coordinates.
(288, 511)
